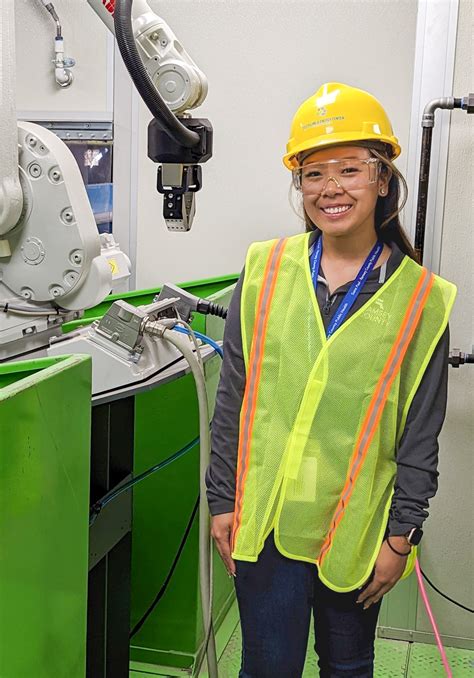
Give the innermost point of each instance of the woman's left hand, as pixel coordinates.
(389, 567)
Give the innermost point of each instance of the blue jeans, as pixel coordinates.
(276, 596)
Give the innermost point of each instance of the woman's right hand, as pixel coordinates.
(221, 531)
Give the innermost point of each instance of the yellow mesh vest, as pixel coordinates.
(321, 418)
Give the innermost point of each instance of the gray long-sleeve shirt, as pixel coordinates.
(417, 454)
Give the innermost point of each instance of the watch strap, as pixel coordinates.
(399, 553)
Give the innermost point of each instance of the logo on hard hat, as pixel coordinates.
(322, 111)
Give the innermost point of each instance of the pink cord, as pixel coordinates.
(432, 620)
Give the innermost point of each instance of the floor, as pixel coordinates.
(393, 659)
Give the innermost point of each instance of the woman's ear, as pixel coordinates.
(384, 180)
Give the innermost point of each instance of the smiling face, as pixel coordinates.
(334, 198)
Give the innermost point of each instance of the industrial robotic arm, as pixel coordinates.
(170, 84)
(174, 74)
(122, 353)
(51, 263)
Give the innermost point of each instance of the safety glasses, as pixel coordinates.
(348, 174)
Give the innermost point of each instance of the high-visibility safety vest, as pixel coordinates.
(321, 418)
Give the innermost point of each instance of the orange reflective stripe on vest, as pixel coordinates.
(379, 398)
(254, 372)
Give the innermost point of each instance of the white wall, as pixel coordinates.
(448, 548)
(262, 59)
(85, 38)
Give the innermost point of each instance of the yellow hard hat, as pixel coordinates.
(338, 114)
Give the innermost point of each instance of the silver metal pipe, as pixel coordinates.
(446, 103)
(50, 7)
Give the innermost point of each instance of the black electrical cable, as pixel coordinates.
(174, 564)
(158, 108)
(451, 600)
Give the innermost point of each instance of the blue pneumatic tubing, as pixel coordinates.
(113, 494)
(110, 496)
(202, 337)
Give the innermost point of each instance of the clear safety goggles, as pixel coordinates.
(348, 174)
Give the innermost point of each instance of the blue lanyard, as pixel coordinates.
(356, 287)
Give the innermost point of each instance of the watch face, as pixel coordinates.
(415, 535)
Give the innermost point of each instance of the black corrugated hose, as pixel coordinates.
(209, 308)
(126, 43)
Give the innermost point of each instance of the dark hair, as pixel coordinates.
(387, 210)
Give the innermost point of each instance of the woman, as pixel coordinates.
(331, 398)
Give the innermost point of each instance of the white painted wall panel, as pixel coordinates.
(85, 39)
(263, 58)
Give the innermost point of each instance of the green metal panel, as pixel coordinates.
(44, 508)
(12, 372)
(166, 420)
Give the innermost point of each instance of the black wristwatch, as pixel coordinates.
(414, 536)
